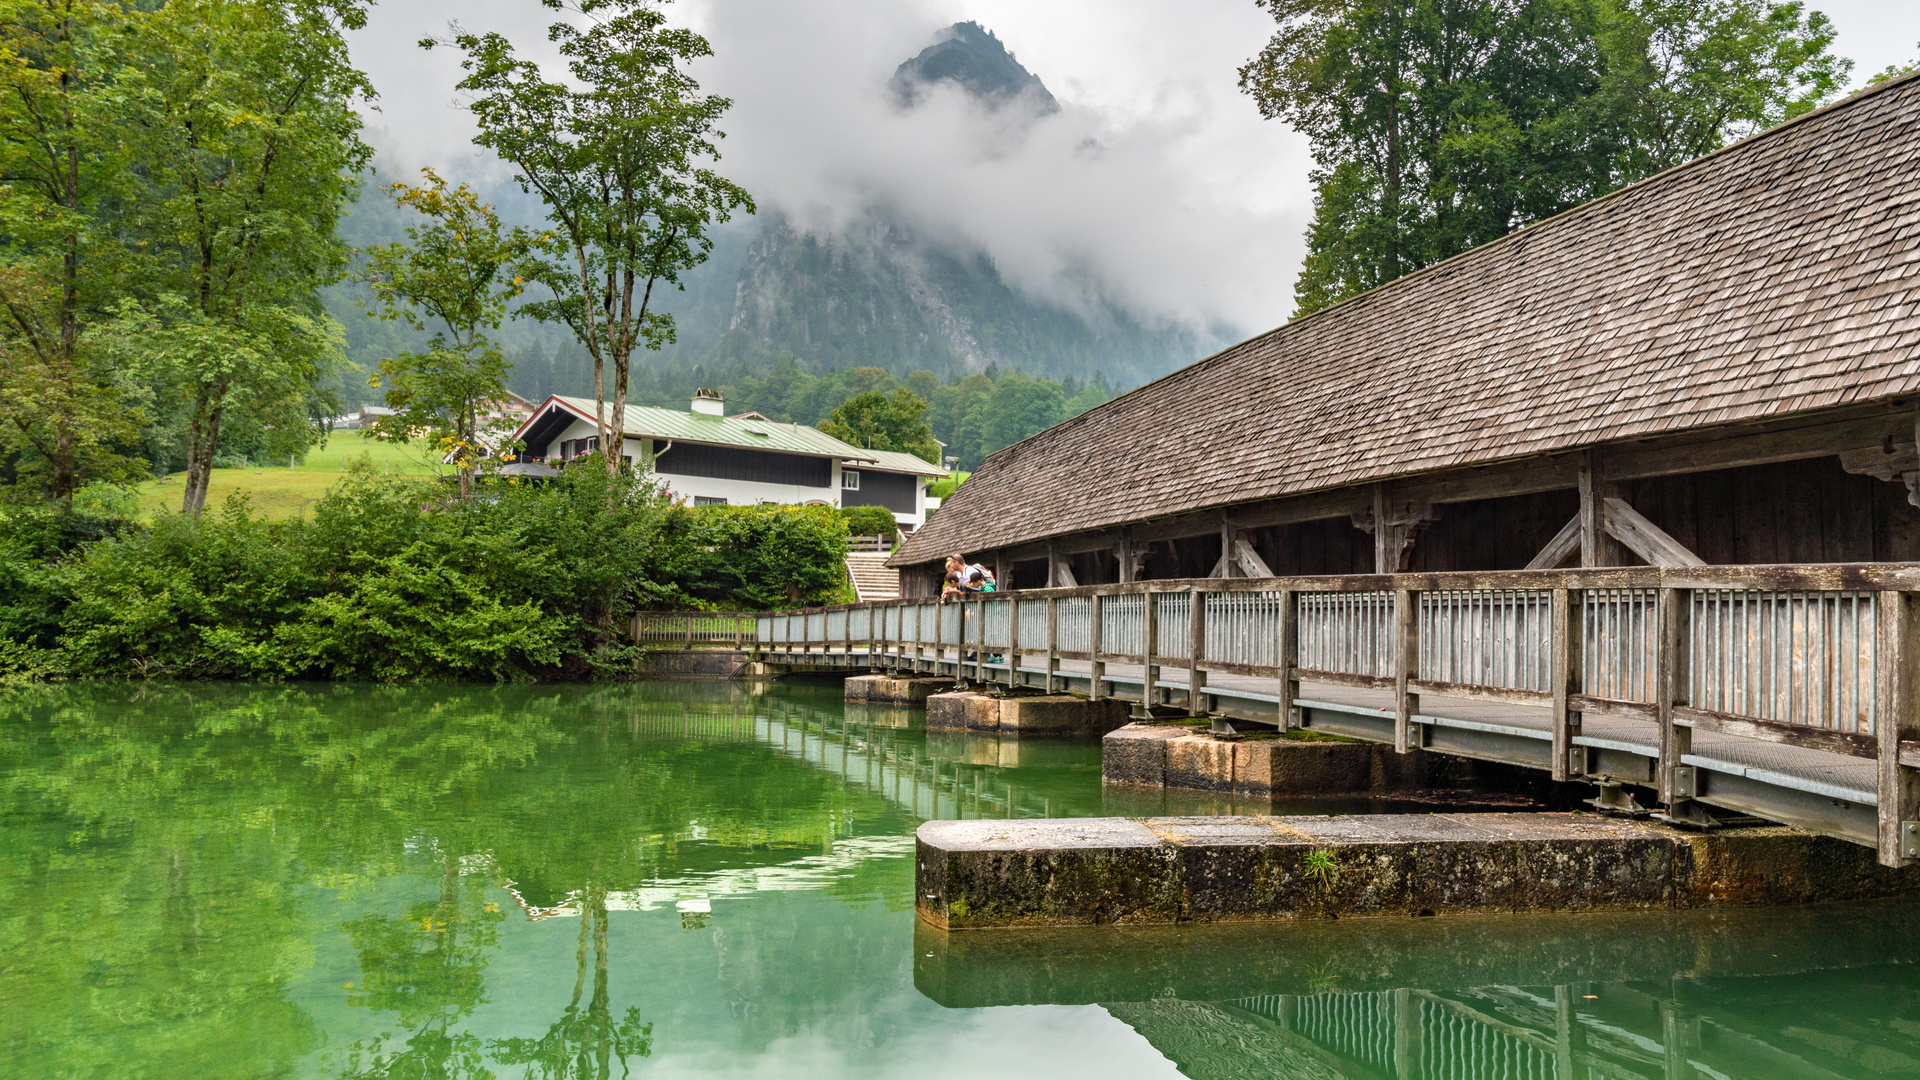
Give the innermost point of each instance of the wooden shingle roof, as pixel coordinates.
(1776, 276)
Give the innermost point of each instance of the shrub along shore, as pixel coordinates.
(393, 578)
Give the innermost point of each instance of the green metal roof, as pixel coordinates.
(900, 462)
(648, 422)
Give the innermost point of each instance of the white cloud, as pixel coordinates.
(1190, 208)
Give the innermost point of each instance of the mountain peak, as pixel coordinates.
(968, 55)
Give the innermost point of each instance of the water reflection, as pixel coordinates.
(691, 879)
(1813, 992)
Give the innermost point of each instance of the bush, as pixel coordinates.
(766, 556)
(393, 579)
(870, 521)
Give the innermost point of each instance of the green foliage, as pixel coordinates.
(241, 120)
(975, 415)
(1437, 127)
(940, 489)
(870, 521)
(619, 154)
(449, 273)
(767, 556)
(392, 580)
(874, 421)
(1320, 868)
(62, 419)
(1893, 71)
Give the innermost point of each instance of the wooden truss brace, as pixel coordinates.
(1393, 547)
(1890, 461)
(1060, 573)
(1131, 556)
(1625, 524)
(1237, 554)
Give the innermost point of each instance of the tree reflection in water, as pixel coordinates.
(585, 1045)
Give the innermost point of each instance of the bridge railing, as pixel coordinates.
(693, 628)
(1824, 657)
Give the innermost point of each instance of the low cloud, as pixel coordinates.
(1156, 187)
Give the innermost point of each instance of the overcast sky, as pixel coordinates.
(1157, 186)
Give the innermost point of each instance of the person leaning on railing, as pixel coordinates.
(964, 578)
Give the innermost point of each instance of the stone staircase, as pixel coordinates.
(872, 578)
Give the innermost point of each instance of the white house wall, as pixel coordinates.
(736, 492)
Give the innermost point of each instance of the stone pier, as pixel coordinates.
(1049, 714)
(698, 664)
(1185, 756)
(1162, 870)
(887, 690)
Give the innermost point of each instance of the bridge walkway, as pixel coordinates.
(1819, 790)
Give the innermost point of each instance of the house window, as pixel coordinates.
(702, 500)
(850, 480)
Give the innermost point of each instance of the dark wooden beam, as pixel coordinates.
(1597, 546)
(1856, 433)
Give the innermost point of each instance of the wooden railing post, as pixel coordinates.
(846, 638)
(979, 638)
(1053, 639)
(1406, 642)
(1670, 680)
(1289, 658)
(1897, 721)
(1196, 646)
(939, 616)
(1096, 667)
(1567, 622)
(1013, 642)
(919, 649)
(1149, 645)
(688, 619)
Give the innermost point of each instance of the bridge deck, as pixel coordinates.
(1519, 734)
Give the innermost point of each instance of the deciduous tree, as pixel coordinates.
(61, 158)
(449, 276)
(1438, 125)
(247, 140)
(874, 421)
(620, 153)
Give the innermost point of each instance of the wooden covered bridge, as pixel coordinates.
(1629, 496)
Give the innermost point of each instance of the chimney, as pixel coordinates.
(709, 403)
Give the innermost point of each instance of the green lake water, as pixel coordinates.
(712, 879)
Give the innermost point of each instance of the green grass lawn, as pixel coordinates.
(282, 492)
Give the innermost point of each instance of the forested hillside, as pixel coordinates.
(782, 306)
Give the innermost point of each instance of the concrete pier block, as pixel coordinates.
(1186, 756)
(887, 690)
(963, 710)
(1052, 714)
(1159, 870)
(1137, 753)
(1061, 714)
(698, 664)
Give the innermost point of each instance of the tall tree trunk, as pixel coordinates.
(203, 437)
